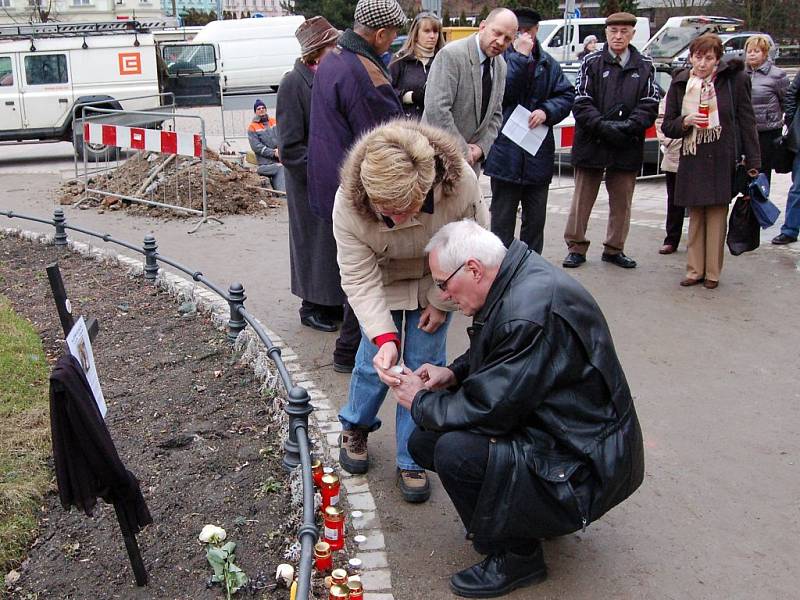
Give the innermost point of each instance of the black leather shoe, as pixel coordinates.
(343, 367)
(620, 260)
(319, 323)
(574, 260)
(780, 240)
(498, 574)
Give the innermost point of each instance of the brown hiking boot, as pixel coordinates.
(353, 451)
(414, 485)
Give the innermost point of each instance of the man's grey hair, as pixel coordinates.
(455, 243)
(362, 29)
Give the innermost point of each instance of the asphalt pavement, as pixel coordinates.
(714, 375)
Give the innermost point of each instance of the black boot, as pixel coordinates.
(498, 574)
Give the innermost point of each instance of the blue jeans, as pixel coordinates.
(791, 225)
(367, 391)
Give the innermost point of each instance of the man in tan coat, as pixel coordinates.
(400, 184)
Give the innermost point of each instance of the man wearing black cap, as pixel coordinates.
(535, 81)
(616, 101)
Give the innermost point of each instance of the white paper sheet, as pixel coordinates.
(516, 129)
(81, 348)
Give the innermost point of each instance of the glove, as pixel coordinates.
(611, 132)
(418, 96)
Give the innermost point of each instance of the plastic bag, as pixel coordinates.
(743, 228)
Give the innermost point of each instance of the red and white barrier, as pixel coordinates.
(137, 138)
(565, 136)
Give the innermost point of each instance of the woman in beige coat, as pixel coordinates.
(399, 185)
(671, 152)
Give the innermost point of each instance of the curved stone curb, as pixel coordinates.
(375, 574)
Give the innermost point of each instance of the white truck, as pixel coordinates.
(564, 41)
(50, 72)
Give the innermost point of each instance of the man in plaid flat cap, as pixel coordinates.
(352, 94)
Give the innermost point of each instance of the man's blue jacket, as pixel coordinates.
(535, 82)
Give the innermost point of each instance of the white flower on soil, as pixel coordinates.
(285, 574)
(211, 534)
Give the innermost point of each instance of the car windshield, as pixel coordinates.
(545, 29)
(672, 41)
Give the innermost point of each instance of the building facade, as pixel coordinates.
(244, 8)
(36, 11)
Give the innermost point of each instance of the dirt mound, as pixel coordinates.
(176, 180)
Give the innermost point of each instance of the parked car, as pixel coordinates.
(670, 46)
(732, 46)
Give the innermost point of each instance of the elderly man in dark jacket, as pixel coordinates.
(532, 431)
(616, 101)
(535, 81)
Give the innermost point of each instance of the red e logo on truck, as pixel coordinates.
(130, 63)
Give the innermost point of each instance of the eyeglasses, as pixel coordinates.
(442, 285)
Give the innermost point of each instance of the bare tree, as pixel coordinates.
(41, 11)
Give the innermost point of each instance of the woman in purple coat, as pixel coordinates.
(409, 67)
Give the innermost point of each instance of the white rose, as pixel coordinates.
(285, 573)
(211, 534)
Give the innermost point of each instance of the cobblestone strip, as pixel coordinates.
(375, 573)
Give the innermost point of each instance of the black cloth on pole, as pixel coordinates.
(86, 462)
(486, 86)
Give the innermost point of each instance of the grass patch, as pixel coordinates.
(24, 434)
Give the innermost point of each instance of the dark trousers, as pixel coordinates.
(766, 139)
(506, 197)
(675, 214)
(349, 337)
(308, 308)
(460, 459)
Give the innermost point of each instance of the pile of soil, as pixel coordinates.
(187, 419)
(231, 189)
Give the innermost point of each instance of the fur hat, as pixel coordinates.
(315, 33)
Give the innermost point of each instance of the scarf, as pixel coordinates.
(701, 91)
(353, 42)
(423, 54)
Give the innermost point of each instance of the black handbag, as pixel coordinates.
(741, 180)
(743, 229)
(782, 156)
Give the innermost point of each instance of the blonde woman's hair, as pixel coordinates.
(408, 47)
(398, 169)
(759, 42)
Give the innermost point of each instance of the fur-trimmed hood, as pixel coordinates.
(448, 157)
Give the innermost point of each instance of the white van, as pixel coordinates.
(50, 71)
(564, 45)
(254, 54)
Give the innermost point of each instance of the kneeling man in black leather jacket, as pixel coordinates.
(532, 431)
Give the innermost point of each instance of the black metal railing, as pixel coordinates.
(297, 448)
